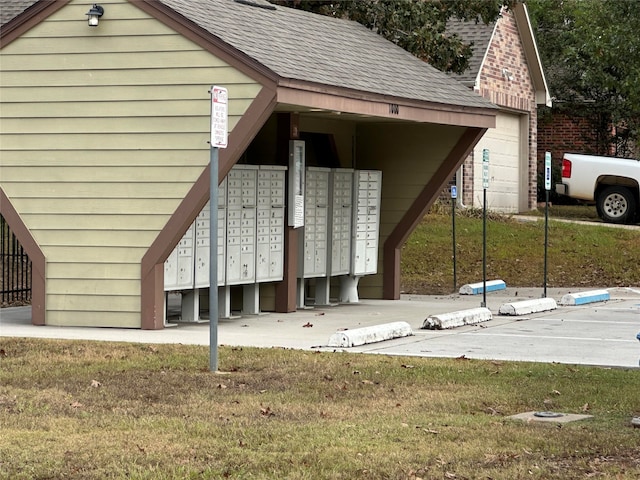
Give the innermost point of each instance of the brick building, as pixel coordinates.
(505, 68)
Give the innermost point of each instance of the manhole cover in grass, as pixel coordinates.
(548, 414)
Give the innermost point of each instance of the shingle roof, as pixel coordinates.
(12, 8)
(313, 48)
(480, 35)
(308, 47)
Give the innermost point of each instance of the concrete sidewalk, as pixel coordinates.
(601, 333)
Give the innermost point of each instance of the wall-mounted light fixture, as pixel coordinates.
(507, 74)
(94, 15)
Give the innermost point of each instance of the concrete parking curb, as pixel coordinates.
(526, 307)
(373, 334)
(476, 288)
(581, 298)
(457, 319)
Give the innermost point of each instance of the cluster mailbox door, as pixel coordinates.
(367, 189)
(270, 224)
(242, 183)
(251, 226)
(316, 217)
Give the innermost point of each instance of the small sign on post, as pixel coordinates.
(454, 196)
(547, 171)
(547, 187)
(485, 168)
(485, 186)
(219, 116)
(219, 125)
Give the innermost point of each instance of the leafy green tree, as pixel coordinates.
(418, 26)
(590, 50)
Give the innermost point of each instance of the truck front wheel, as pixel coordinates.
(617, 204)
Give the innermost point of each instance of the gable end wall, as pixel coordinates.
(516, 95)
(104, 132)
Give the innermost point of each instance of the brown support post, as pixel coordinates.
(421, 205)
(286, 289)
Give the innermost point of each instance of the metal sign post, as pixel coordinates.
(454, 196)
(485, 186)
(547, 187)
(219, 124)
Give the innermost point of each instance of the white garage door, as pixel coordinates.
(505, 165)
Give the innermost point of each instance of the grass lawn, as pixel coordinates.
(96, 410)
(100, 410)
(578, 255)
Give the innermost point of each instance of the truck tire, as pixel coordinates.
(617, 204)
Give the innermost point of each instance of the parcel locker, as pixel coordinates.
(316, 214)
(341, 195)
(241, 224)
(366, 217)
(270, 224)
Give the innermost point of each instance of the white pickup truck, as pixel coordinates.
(613, 183)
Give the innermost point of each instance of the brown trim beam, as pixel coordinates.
(152, 265)
(431, 191)
(288, 128)
(38, 261)
(383, 107)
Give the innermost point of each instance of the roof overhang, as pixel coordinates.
(305, 97)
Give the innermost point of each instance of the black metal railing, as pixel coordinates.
(15, 277)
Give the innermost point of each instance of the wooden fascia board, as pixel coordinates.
(532, 55)
(35, 254)
(208, 41)
(370, 105)
(32, 16)
(417, 210)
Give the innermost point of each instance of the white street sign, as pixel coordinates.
(485, 168)
(547, 171)
(219, 116)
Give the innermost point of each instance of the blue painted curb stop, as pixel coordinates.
(581, 298)
(476, 288)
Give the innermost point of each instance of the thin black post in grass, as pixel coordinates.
(485, 186)
(547, 187)
(219, 123)
(454, 196)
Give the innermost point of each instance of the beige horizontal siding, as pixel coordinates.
(103, 132)
(124, 189)
(71, 303)
(92, 271)
(94, 317)
(412, 149)
(79, 223)
(100, 158)
(139, 93)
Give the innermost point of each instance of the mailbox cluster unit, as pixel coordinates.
(342, 222)
(251, 226)
(340, 236)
